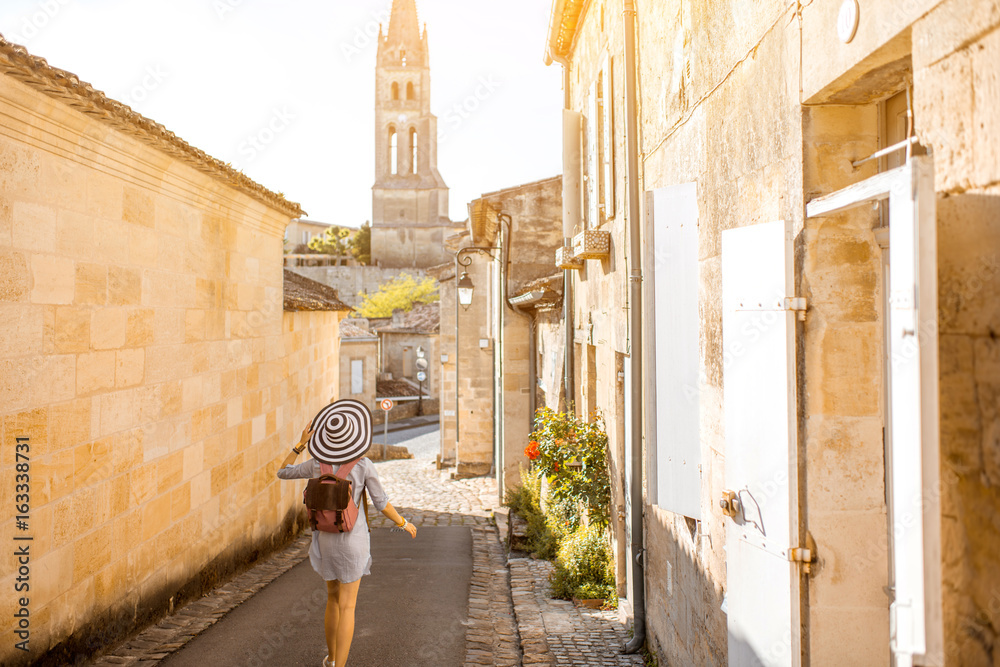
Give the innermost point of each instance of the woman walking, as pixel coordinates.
(340, 435)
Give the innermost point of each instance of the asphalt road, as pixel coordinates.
(411, 611)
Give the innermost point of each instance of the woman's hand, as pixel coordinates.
(306, 434)
(411, 529)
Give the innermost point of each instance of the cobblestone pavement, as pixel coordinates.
(555, 632)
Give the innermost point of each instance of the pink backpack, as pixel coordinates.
(330, 500)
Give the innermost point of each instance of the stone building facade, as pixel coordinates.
(301, 231)
(146, 358)
(409, 199)
(495, 332)
(767, 234)
(358, 363)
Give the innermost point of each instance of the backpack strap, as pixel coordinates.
(343, 472)
(325, 469)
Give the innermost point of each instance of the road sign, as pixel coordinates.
(421, 364)
(421, 376)
(386, 404)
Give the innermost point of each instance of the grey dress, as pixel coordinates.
(344, 557)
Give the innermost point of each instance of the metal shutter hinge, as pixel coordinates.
(797, 304)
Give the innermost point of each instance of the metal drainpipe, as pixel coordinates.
(635, 328)
(569, 383)
(457, 432)
(532, 370)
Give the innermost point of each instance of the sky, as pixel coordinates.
(284, 89)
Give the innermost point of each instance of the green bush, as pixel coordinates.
(584, 566)
(525, 500)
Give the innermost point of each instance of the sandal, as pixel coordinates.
(327, 662)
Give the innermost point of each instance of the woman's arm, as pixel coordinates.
(390, 513)
(297, 449)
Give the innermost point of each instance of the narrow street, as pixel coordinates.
(442, 599)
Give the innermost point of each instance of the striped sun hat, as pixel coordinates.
(342, 432)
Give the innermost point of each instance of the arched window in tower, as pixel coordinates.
(409, 91)
(393, 151)
(395, 90)
(413, 150)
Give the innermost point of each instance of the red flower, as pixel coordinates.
(531, 451)
(555, 467)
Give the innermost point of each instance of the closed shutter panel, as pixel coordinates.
(677, 443)
(759, 403)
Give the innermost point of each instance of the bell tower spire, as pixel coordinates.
(409, 198)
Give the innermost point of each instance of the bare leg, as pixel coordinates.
(332, 618)
(347, 598)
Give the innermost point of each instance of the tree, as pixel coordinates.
(403, 292)
(335, 241)
(361, 244)
(342, 241)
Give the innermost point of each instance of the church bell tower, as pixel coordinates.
(409, 198)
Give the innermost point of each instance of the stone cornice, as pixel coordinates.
(35, 72)
(564, 20)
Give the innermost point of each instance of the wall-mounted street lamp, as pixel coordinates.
(465, 290)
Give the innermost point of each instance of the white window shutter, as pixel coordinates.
(677, 357)
(915, 615)
(593, 160)
(758, 338)
(608, 140)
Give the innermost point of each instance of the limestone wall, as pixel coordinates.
(351, 281)
(410, 246)
(365, 351)
(956, 61)
(475, 372)
(145, 355)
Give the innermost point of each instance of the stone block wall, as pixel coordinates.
(145, 355)
(365, 351)
(956, 61)
(351, 281)
(475, 376)
(403, 246)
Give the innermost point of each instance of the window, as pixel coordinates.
(395, 90)
(413, 150)
(357, 376)
(600, 151)
(393, 151)
(409, 91)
